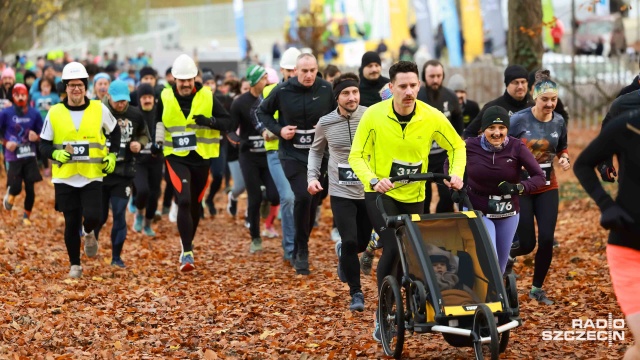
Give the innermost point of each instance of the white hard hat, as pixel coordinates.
(289, 58)
(184, 68)
(74, 70)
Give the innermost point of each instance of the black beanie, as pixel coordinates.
(370, 57)
(440, 259)
(495, 115)
(145, 89)
(513, 72)
(147, 70)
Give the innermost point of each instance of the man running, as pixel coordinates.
(73, 136)
(371, 79)
(390, 141)
(116, 187)
(336, 131)
(300, 101)
(190, 132)
(19, 129)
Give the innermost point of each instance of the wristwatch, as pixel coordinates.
(373, 182)
(520, 188)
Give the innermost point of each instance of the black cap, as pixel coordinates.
(145, 89)
(370, 57)
(513, 72)
(147, 70)
(495, 115)
(439, 259)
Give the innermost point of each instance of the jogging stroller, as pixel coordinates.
(478, 311)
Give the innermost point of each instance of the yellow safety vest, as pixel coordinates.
(181, 132)
(88, 141)
(275, 143)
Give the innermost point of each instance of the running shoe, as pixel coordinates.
(232, 205)
(90, 243)
(118, 262)
(173, 212)
(540, 296)
(132, 208)
(211, 207)
(7, 202)
(335, 235)
(366, 261)
(301, 263)
(137, 224)
(148, 231)
(75, 271)
(357, 302)
(376, 332)
(26, 222)
(157, 216)
(256, 245)
(270, 232)
(186, 262)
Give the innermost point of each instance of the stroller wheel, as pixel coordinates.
(512, 291)
(504, 341)
(420, 299)
(391, 317)
(484, 326)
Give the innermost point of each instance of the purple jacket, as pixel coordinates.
(15, 127)
(485, 170)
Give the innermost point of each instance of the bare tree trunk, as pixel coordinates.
(525, 34)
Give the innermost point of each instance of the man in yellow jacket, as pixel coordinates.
(394, 138)
(188, 126)
(73, 136)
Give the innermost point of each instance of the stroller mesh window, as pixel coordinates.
(467, 259)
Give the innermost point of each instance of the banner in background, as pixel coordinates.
(451, 28)
(496, 38)
(424, 31)
(398, 17)
(472, 29)
(238, 11)
(292, 9)
(547, 18)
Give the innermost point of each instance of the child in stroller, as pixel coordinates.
(445, 266)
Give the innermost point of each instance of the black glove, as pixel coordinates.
(508, 188)
(607, 171)
(205, 121)
(615, 218)
(156, 149)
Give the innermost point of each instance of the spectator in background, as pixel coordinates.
(230, 75)
(8, 80)
(382, 47)
(169, 77)
(245, 86)
(148, 75)
(101, 84)
(331, 72)
(276, 53)
(470, 109)
(29, 78)
(45, 97)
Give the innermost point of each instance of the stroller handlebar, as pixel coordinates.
(458, 196)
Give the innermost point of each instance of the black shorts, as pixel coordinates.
(117, 186)
(23, 170)
(70, 198)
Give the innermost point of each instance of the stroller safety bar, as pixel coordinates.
(464, 332)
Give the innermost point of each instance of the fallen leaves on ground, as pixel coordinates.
(241, 306)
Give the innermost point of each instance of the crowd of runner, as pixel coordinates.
(107, 141)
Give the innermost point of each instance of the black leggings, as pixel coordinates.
(76, 204)
(24, 170)
(29, 193)
(147, 185)
(390, 259)
(256, 173)
(354, 226)
(544, 207)
(445, 204)
(189, 184)
(304, 205)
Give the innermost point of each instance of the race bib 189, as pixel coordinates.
(79, 150)
(500, 207)
(25, 151)
(303, 139)
(184, 141)
(256, 143)
(346, 175)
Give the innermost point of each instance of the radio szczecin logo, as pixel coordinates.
(608, 330)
